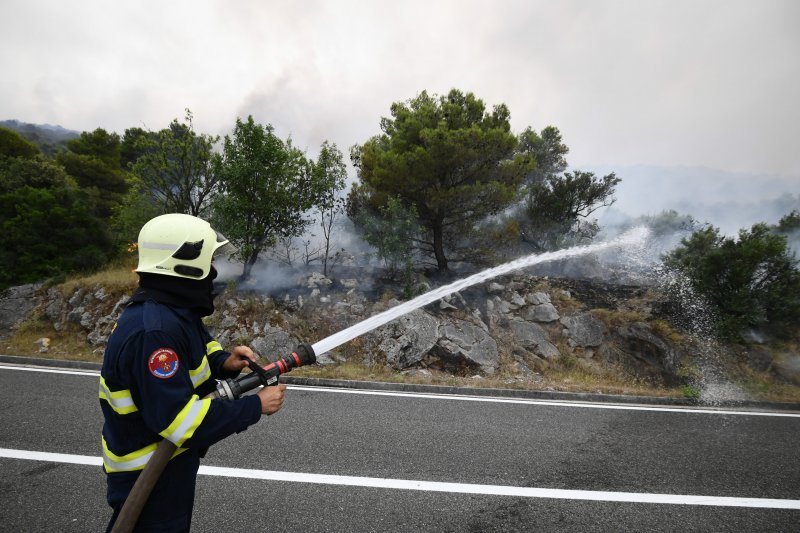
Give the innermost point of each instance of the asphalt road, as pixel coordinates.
(422, 463)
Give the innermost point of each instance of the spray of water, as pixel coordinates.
(633, 237)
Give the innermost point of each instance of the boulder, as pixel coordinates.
(274, 344)
(463, 346)
(494, 288)
(639, 341)
(538, 298)
(533, 338)
(16, 305)
(583, 330)
(545, 312)
(317, 280)
(406, 340)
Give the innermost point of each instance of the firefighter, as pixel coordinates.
(159, 364)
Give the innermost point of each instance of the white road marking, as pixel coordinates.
(436, 486)
(489, 399)
(50, 370)
(550, 403)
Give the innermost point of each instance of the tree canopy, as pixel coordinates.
(176, 165)
(46, 223)
(93, 159)
(12, 144)
(266, 188)
(330, 173)
(445, 156)
(558, 203)
(750, 281)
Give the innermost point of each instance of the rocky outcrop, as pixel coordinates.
(518, 324)
(16, 304)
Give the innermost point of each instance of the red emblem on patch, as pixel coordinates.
(163, 363)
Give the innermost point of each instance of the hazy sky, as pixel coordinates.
(676, 82)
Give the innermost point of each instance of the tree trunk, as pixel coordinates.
(247, 268)
(438, 247)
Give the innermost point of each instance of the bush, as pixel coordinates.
(752, 281)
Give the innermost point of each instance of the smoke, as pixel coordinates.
(287, 266)
(727, 200)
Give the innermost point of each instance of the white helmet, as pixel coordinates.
(179, 245)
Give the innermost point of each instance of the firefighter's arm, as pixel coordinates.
(237, 360)
(170, 406)
(226, 365)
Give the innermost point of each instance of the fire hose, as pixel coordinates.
(229, 389)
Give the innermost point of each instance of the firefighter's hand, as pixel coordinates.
(237, 360)
(271, 399)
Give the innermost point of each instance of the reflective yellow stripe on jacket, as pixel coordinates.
(200, 374)
(212, 347)
(184, 425)
(120, 400)
(135, 460)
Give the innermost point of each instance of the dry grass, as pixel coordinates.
(68, 344)
(663, 329)
(614, 318)
(116, 281)
(558, 380)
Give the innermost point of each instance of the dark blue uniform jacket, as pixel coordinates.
(159, 364)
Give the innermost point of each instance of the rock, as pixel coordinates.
(406, 340)
(517, 301)
(445, 305)
(545, 312)
(461, 345)
(86, 320)
(274, 344)
(494, 288)
(533, 338)
(317, 280)
(55, 305)
(583, 330)
(16, 305)
(639, 342)
(96, 337)
(228, 321)
(519, 366)
(77, 298)
(75, 315)
(418, 373)
(100, 294)
(501, 306)
(478, 318)
(119, 306)
(538, 298)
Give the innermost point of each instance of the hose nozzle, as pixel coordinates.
(231, 389)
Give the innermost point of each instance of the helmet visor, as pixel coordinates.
(223, 248)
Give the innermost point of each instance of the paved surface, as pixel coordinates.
(426, 439)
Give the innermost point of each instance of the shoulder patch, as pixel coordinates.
(163, 363)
